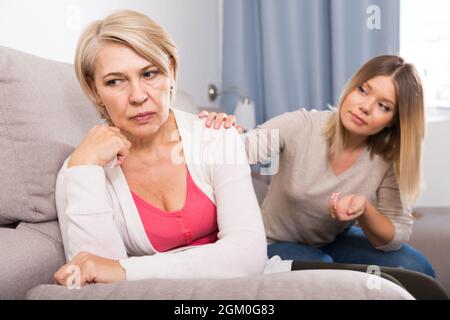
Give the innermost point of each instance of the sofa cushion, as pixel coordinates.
(432, 237)
(305, 284)
(30, 255)
(43, 116)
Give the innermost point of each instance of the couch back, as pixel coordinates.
(44, 115)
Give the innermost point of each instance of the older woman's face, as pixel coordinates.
(371, 107)
(129, 85)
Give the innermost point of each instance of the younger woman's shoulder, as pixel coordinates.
(320, 115)
(300, 118)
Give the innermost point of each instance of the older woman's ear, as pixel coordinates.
(172, 70)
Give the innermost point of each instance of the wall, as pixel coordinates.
(436, 161)
(50, 29)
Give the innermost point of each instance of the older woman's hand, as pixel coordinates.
(101, 145)
(346, 208)
(217, 119)
(88, 268)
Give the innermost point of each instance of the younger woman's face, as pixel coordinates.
(371, 107)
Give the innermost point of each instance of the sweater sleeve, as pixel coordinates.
(85, 213)
(268, 140)
(391, 205)
(241, 246)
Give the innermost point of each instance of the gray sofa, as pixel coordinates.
(43, 116)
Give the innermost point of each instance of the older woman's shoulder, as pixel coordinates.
(189, 125)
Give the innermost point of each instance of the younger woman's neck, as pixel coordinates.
(354, 142)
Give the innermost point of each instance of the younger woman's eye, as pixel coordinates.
(361, 89)
(384, 107)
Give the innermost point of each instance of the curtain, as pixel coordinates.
(287, 54)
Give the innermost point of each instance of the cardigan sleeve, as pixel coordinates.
(85, 213)
(241, 248)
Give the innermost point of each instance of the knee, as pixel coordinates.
(409, 258)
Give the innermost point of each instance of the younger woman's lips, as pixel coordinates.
(357, 120)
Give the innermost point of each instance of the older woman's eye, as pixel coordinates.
(113, 83)
(150, 74)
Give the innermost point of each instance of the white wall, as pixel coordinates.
(50, 29)
(436, 161)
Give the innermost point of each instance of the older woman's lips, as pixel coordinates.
(143, 117)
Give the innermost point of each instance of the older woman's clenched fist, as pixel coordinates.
(101, 145)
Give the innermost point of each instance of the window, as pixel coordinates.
(425, 41)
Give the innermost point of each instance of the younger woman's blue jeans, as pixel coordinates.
(353, 247)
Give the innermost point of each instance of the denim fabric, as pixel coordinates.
(353, 247)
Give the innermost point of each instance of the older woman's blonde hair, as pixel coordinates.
(400, 143)
(133, 29)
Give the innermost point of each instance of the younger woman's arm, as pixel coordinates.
(387, 224)
(264, 143)
(392, 207)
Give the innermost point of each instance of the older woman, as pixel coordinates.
(138, 219)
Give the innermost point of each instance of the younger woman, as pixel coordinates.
(347, 178)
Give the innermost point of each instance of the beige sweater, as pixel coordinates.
(295, 207)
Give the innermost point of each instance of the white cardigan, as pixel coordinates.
(97, 213)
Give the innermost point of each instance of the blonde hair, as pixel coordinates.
(133, 29)
(401, 143)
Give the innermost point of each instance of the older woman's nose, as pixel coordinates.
(138, 95)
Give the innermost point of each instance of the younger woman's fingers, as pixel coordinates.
(352, 204)
(203, 114)
(210, 118)
(230, 121)
(240, 129)
(220, 118)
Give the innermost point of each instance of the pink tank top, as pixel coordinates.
(194, 224)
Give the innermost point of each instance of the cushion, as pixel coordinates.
(432, 237)
(305, 284)
(30, 255)
(43, 116)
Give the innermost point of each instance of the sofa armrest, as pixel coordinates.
(305, 284)
(29, 256)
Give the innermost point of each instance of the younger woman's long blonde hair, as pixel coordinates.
(400, 143)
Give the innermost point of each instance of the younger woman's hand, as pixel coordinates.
(347, 208)
(216, 120)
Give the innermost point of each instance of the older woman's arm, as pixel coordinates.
(85, 213)
(241, 248)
